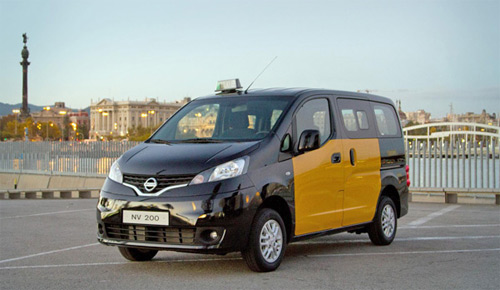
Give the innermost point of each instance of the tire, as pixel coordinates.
(136, 254)
(260, 256)
(383, 229)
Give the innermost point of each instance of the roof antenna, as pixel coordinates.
(261, 73)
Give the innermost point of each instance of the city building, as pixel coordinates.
(420, 117)
(109, 117)
(54, 115)
(470, 117)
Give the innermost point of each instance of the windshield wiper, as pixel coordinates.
(160, 141)
(201, 140)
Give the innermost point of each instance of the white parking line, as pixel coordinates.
(118, 263)
(403, 253)
(433, 215)
(298, 243)
(239, 258)
(46, 213)
(47, 253)
(447, 226)
(399, 240)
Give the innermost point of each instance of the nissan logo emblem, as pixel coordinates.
(150, 184)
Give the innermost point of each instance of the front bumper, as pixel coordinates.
(192, 219)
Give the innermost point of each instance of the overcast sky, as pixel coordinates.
(426, 53)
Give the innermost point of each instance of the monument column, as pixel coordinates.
(25, 111)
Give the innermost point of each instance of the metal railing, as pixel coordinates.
(460, 164)
(61, 158)
(433, 163)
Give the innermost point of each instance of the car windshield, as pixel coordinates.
(223, 119)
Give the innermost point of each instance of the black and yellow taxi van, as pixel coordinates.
(252, 171)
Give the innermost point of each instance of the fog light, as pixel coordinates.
(214, 235)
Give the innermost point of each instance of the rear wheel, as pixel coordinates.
(267, 242)
(383, 229)
(136, 254)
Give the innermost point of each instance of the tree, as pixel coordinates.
(66, 128)
(83, 131)
(139, 133)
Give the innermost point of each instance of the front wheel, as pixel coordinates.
(383, 229)
(136, 254)
(267, 242)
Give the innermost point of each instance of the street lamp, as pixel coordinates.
(152, 112)
(74, 127)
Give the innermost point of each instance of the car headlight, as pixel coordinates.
(115, 173)
(227, 170)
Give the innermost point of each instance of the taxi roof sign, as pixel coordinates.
(228, 86)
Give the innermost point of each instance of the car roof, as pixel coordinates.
(299, 92)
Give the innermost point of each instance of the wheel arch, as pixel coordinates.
(391, 192)
(279, 204)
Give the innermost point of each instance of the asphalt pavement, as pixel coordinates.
(51, 244)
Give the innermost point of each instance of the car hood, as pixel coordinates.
(181, 158)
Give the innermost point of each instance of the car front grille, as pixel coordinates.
(163, 181)
(151, 234)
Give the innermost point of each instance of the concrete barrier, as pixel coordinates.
(9, 180)
(31, 186)
(66, 182)
(49, 193)
(451, 195)
(41, 181)
(27, 181)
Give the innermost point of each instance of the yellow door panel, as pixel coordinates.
(362, 181)
(318, 189)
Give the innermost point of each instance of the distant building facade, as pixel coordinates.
(54, 115)
(80, 118)
(108, 117)
(420, 117)
(470, 117)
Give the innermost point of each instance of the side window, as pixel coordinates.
(315, 115)
(356, 118)
(349, 120)
(362, 120)
(387, 121)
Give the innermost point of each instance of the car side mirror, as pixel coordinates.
(309, 140)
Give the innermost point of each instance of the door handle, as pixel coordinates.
(352, 156)
(336, 158)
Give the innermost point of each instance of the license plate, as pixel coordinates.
(145, 217)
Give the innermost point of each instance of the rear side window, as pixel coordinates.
(356, 119)
(387, 121)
